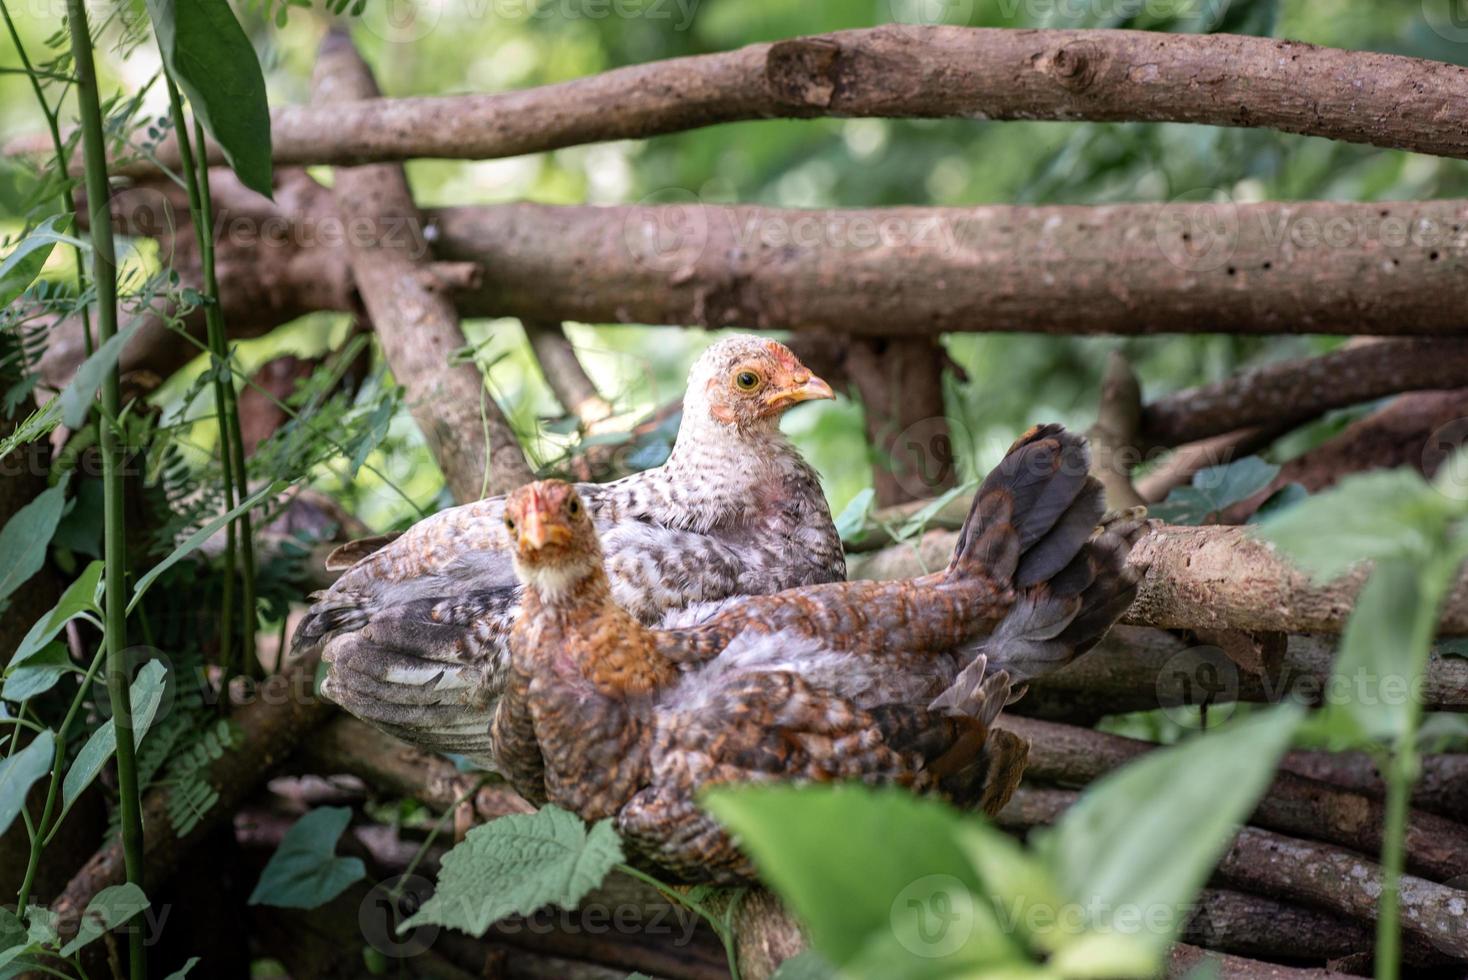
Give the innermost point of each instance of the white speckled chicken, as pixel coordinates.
(414, 632)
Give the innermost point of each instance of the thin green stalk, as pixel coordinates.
(218, 359)
(722, 925)
(214, 314)
(1401, 772)
(44, 830)
(53, 126)
(104, 279)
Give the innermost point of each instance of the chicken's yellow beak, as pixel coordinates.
(536, 531)
(801, 388)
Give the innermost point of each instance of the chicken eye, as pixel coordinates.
(509, 524)
(573, 507)
(746, 380)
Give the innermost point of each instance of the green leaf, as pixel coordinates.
(38, 674)
(24, 539)
(851, 522)
(516, 865)
(1368, 516)
(13, 938)
(918, 522)
(208, 54)
(305, 872)
(80, 596)
(893, 891)
(146, 694)
(24, 263)
(112, 907)
(19, 772)
(77, 399)
(1215, 489)
(1141, 842)
(80, 530)
(196, 539)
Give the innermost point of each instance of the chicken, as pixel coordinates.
(881, 682)
(414, 631)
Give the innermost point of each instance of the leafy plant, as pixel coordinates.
(1214, 490)
(1413, 532)
(305, 872)
(912, 888)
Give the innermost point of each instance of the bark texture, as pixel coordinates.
(902, 70)
(415, 322)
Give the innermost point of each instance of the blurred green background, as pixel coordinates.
(448, 46)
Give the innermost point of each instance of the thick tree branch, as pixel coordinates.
(1296, 805)
(901, 386)
(415, 322)
(903, 70)
(1312, 267)
(1214, 577)
(1318, 875)
(1292, 392)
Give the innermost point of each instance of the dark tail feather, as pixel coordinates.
(1037, 527)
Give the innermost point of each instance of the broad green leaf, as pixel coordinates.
(42, 925)
(305, 872)
(918, 522)
(1105, 955)
(1215, 489)
(24, 539)
(1368, 692)
(19, 772)
(111, 907)
(80, 530)
(24, 263)
(146, 695)
(853, 517)
(13, 938)
(1141, 842)
(208, 54)
(38, 674)
(1026, 898)
(196, 539)
(77, 399)
(516, 865)
(1368, 516)
(80, 596)
(895, 868)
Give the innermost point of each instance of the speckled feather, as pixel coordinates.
(414, 631)
(880, 682)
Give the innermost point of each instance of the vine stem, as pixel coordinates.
(723, 929)
(214, 318)
(68, 206)
(218, 359)
(104, 279)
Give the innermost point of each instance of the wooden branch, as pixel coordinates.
(914, 271)
(279, 712)
(563, 371)
(1213, 577)
(900, 382)
(1437, 848)
(1184, 960)
(416, 323)
(1180, 464)
(1441, 789)
(905, 70)
(1114, 437)
(1293, 392)
(1318, 875)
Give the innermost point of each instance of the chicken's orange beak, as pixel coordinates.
(801, 388)
(537, 529)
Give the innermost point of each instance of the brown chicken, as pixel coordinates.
(414, 632)
(881, 682)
